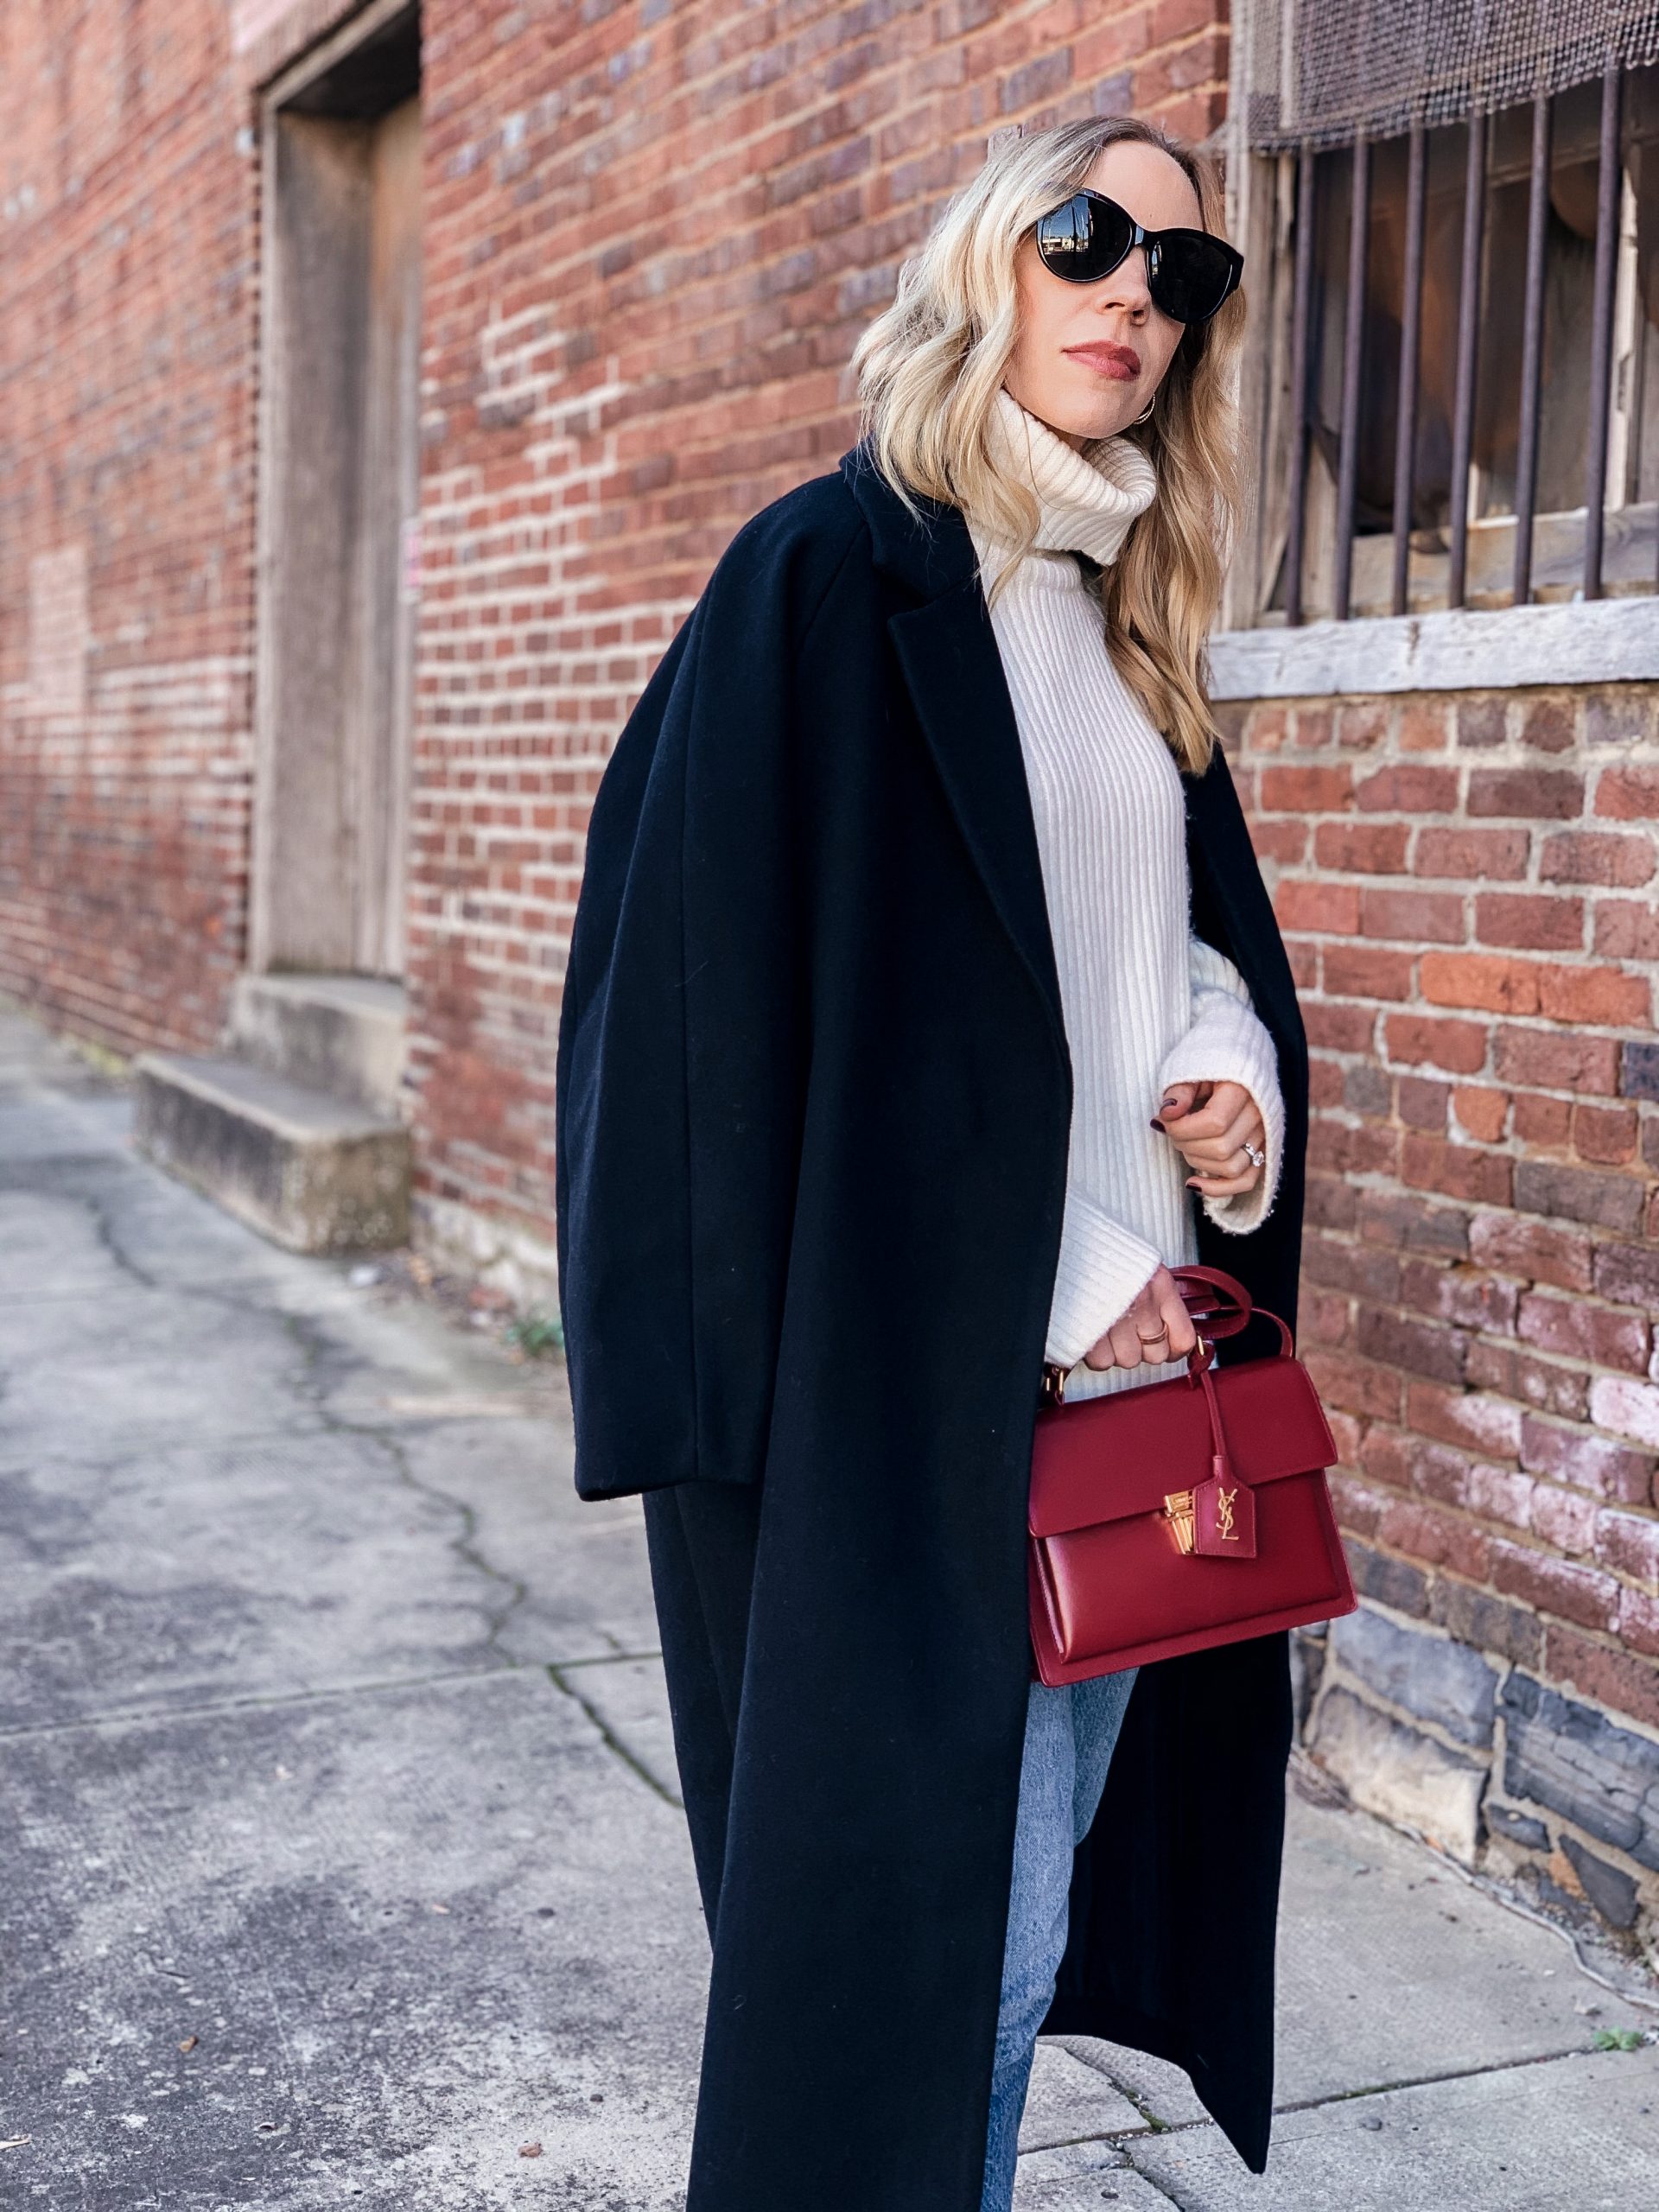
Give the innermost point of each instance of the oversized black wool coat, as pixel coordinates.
(814, 1095)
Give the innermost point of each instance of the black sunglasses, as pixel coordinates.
(1189, 273)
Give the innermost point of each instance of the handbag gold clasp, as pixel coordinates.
(1178, 1512)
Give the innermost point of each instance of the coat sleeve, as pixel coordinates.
(681, 1055)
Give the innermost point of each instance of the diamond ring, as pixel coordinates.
(1256, 1157)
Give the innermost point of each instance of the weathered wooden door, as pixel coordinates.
(339, 550)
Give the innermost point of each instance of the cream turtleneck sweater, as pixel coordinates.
(1146, 1003)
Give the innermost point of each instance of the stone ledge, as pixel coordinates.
(311, 1173)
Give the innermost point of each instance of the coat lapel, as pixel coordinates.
(947, 653)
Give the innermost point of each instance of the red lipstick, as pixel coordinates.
(1121, 363)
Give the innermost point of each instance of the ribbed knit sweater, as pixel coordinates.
(1146, 1002)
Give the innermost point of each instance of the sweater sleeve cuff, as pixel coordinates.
(1228, 1043)
(1103, 1268)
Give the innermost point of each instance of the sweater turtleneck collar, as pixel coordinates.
(1087, 506)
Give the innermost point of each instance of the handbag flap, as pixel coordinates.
(1106, 1457)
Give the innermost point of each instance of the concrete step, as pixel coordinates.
(312, 1172)
(339, 1033)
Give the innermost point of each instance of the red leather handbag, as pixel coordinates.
(1184, 1514)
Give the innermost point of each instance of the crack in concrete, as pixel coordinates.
(613, 1741)
(261, 1700)
(139, 1716)
(305, 1331)
(307, 1334)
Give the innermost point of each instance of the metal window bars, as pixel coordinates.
(1305, 308)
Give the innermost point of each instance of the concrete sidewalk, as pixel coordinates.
(343, 1863)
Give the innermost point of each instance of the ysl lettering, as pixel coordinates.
(1224, 1512)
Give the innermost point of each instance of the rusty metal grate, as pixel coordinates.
(1413, 409)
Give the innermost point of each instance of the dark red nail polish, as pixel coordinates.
(1159, 1126)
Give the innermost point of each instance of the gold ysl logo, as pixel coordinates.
(1224, 1512)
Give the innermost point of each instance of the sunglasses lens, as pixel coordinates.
(1190, 275)
(1083, 240)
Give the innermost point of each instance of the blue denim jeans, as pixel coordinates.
(1070, 1736)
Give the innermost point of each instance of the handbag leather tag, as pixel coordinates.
(1224, 1514)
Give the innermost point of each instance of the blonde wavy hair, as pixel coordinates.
(928, 373)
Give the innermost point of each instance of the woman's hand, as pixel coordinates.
(1156, 1328)
(1215, 1127)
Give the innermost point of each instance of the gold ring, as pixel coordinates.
(1156, 1339)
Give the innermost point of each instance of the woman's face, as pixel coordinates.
(1089, 357)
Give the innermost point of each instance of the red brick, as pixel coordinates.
(1629, 1544)
(1595, 1465)
(1338, 1264)
(1363, 972)
(1331, 909)
(1483, 724)
(1543, 1121)
(1629, 1685)
(1422, 1104)
(1606, 1133)
(1355, 1384)
(1403, 1222)
(1534, 923)
(1361, 848)
(1459, 1171)
(1587, 856)
(1278, 837)
(1357, 1506)
(1306, 790)
(1436, 1539)
(1628, 795)
(1601, 995)
(1638, 1620)
(1587, 1194)
(1345, 1434)
(1484, 1114)
(1466, 1295)
(1480, 980)
(1545, 1057)
(1572, 1326)
(1626, 929)
(1544, 1384)
(1419, 1347)
(1361, 724)
(1530, 794)
(1436, 917)
(1313, 724)
(1364, 1149)
(1564, 1521)
(1265, 728)
(1548, 726)
(1474, 1423)
(1408, 788)
(1325, 1083)
(1583, 1594)
(1386, 1455)
(1499, 1494)
(1459, 1047)
(1422, 726)
(1340, 1028)
(1628, 1273)
(1500, 856)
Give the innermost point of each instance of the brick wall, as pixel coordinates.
(126, 266)
(654, 234)
(1466, 886)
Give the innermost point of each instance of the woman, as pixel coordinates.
(925, 1005)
